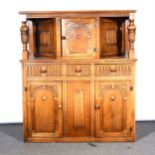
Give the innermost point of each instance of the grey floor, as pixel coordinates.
(11, 144)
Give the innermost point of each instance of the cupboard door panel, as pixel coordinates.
(78, 37)
(46, 43)
(112, 31)
(113, 109)
(78, 105)
(46, 109)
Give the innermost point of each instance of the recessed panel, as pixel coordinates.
(78, 112)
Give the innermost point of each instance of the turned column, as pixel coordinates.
(131, 35)
(24, 38)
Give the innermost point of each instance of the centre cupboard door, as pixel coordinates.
(113, 109)
(78, 37)
(78, 109)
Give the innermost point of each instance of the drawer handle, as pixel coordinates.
(78, 70)
(43, 71)
(97, 106)
(113, 69)
(112, 98)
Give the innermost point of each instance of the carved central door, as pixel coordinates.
(78, 105)
(78, 37)
(45, 109)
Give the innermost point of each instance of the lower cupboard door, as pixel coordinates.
(45, 109)
(78, 106)
(113, 109)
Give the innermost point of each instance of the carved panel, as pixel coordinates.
(53, 88)
(112, 102)
(78, 34)
(112, 70)
(78, 104)
(105, 87)
(78, 37)
(111, 37)
(78, 70)
(44, 108)
(113, 106)
(78, 109)
(34, 70)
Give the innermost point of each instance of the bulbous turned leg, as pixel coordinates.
(24, 38)
(131, 37)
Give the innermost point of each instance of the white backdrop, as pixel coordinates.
(10, 50)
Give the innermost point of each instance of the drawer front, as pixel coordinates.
(38, 70)
(78, 70)
(112, 70)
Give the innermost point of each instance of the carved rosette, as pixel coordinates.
(131, 37)
(24, 38)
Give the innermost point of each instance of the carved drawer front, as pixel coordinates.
(78, 70)
(35, 70)
(107, 69)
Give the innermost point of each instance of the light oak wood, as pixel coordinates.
(78, 71)
(77, 32)
(78, 105)
(45, 109)
(113, 109)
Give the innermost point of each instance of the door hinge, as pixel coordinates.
(131, 88)
(25, 88)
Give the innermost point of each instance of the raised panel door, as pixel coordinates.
(78, 37)
(45, 109)
(113, 109)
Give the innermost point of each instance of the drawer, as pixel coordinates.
(78, 70)
(35, 70)
(112, 70)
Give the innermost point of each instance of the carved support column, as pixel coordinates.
(24, 38)
(131, 35)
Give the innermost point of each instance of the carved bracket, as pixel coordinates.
(24, 38)
(131, 37)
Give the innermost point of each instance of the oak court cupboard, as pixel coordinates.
(78, 76)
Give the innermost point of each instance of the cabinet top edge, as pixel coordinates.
(35, 14)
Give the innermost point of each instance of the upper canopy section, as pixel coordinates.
(88, 13)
